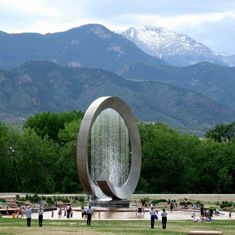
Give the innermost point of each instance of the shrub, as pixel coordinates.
(81, 199)
(22, 199)
(156, 201)
(2, 200)
(35, 198)
(49, 201)
(199, 203)
(66, 200)
(226, 204)
(144, 200)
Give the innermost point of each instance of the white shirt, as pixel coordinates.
(152, 212)
(89, 211)
(28, 213)
(164, 214)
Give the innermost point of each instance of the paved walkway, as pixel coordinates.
(131, 215)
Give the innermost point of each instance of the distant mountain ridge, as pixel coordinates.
(215, 82)
(175, 49)
(45, 86)
(90, 45)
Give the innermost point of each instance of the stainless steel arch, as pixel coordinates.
(106, 188)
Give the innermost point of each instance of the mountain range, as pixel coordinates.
(175, 49)
(68, 70)
(45, 86)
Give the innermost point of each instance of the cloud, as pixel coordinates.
(115, 8)
(218, 35)
(32, 8)
(172, 22)
(41, 15)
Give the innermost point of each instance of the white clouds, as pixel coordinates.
(218, 35)
(38, 8)
(41, 15)
(113, 8)
(53, 15)
(172, 22)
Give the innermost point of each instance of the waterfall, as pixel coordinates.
(109, 148)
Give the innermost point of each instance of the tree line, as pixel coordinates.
(41, 158)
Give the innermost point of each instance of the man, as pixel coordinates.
(164, 218)
(28, 214)
(202, 210)
(153, 216)
(89, 213)
(40, 217)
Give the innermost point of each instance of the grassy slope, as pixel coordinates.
(13, 226)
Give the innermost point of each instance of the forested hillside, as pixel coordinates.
(45, 86)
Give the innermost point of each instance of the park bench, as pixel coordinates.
(205, 233)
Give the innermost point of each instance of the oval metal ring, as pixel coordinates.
(105, 188)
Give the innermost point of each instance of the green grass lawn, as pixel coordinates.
(61, 227)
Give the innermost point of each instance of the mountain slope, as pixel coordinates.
(213, 81)
(45, 86)
(90, 45)
(175, 49)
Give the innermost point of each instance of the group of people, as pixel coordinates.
(28, 213)
(206, 215)
(154, 217)
(87, 213)
(68, 212)
(140, 211)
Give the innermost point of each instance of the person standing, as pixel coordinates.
(28, 214)
(83, 211)
(52, 213)
(65, 212)
(171, 205)
(152, 217)
(68, 209)
(60, 213)
(164, 218)
(202, 210)
(89, 213)
(40, 217)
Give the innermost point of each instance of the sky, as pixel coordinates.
(211, 22)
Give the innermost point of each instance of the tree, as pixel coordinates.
(58, 131)
(165, 164)
(225, 180)
(67, 164)
(49, 124)
(37, 160)
(222, 132)
(8, 159)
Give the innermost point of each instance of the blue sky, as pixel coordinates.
(211, 22)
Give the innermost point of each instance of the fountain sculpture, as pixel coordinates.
(109, 152)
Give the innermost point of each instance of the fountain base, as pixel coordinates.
(110, 203)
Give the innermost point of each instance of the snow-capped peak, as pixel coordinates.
(174, 48)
